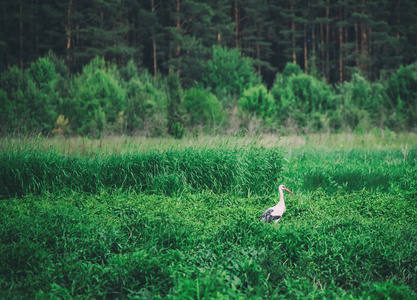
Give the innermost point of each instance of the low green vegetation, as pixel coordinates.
(104, 99)
(158, 218)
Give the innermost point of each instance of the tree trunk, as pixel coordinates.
(313, 38)
(356, 44)
(154, 44)
(32, 25)
(364, 46)
(294, 55)
(236, 25)
(397, 50)
(340, 48)
(258, 48)
(327, 41)
(68, 31)
(21, 34)
(322, 49)
(5, 26)
(305, 50)
(340, 54)
(37, 28)
(178, 26)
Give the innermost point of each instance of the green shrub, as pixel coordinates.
(362, 103)
(259, 102)
(34, 95)
(14, 83)
(6, 112)
(299, 95)
(175, 106)
(291, 69)
(387, 290)
(401, 89)
(146, 102)
(228, 72)
(42, 72)
(203, 108)
(95, 99)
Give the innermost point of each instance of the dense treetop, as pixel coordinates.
(158, 66)
(327, 37)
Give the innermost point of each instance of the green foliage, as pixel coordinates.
(299, 96)
(388, 290)
(105, 99)
(42, 95)
(177, 130)
(362, 103)
(229, 72)
(59, 64)
(95, 100)
(291, 69)
(175, 109)
(33, 97)
(203, 108)
(145, 102)
(259, 102)
(402, 93)
(6, 111)
(271, 33)
(182, 223)
(225, 170)
(42, 72)
(14, 83)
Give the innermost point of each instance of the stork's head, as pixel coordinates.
(283, 188)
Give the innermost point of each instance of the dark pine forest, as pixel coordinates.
(159, 67)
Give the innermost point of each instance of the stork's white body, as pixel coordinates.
(275, 213)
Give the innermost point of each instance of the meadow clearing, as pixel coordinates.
(136, 218)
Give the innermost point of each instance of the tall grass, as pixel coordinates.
(181, 221)
(84, 146)
(239, 171)
(350, 170)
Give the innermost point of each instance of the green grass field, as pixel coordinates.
(140, 218)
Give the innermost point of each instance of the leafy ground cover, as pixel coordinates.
(350, 231)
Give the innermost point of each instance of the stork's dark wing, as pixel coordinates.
(269, 216)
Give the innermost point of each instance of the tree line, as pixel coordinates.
(159, 66)
(331, 38)
(106, 98)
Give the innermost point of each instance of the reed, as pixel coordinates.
(181, 221)
(238, 171)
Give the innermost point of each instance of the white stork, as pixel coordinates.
(274, 213)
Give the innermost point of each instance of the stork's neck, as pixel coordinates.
(281, 197)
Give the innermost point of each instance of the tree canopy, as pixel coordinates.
(159, 66)
(328, 37)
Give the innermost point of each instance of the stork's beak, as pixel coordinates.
(288, 191)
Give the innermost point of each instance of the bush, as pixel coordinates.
(229, 72)
(402, 93)
(32, 97)
(361, 103)
(299, 95)
(203, 108)
(146, 102)
(175, 108)
(42, 72)
(6, 112)
(43, 98)
(95, 100)
(257, 101)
